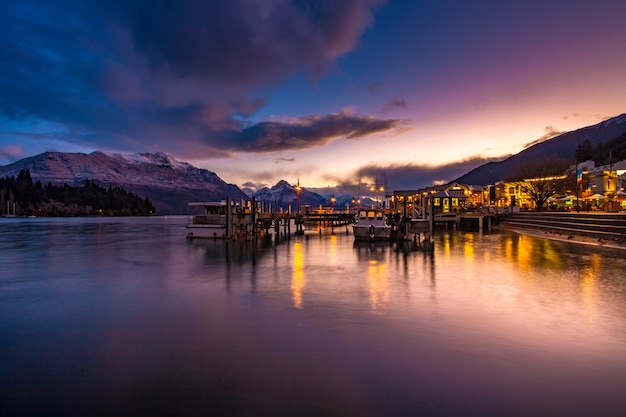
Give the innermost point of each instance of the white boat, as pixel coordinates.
(371, 224)
(208, 221)
(218, 220)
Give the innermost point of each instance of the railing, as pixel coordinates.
(216, 219)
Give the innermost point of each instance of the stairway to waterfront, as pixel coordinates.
(609, 226)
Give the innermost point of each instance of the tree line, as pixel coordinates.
(603, 153)
(23, 197)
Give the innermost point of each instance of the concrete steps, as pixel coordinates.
(601, 225)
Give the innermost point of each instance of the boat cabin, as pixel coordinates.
(371, 215)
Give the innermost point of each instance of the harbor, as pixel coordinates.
(251, 220)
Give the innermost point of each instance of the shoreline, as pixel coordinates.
(572, 238)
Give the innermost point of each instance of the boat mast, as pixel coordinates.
(358, 196)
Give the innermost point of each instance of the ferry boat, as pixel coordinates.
(231, 219)
(218, 220)
(208, 220)
(371, 224)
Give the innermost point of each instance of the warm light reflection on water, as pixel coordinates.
(378, 285)
(297, 282)
(588, 285)
(126, 317)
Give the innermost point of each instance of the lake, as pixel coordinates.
(125, 317)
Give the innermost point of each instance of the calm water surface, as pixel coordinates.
(125, 317)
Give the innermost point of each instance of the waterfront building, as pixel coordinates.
(604, 186)
(407, 202)
(452, 198)
(599, 188)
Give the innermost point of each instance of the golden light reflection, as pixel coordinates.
(551, 257)
(528, 252)
(297, 280)
(333, 250)
(379, 285)
(508, 249)
(524, 252)
(447, 247)
(588, 285)
(468, 245)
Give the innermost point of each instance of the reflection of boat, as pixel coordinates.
(371, 250)
(371, 224)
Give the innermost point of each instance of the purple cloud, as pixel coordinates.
(551, 132)
(172, 74)
(412, 176)
(302, 133)
(394, 103)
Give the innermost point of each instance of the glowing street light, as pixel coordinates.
(298, 189)
(377, 189)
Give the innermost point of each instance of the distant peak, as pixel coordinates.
(282, 184)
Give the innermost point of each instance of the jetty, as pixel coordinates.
(230, 219)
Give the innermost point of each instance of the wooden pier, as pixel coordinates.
(251, 219)
(476, 221)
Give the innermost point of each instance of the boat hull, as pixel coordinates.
(197, 231)
(371, 232)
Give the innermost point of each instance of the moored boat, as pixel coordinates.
(210, 221)
(371, 224)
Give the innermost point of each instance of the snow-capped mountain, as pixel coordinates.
(167, 182)
(285, 194)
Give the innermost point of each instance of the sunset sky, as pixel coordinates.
(405, 92)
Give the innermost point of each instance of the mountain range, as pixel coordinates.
(170, 184)
(563, 146)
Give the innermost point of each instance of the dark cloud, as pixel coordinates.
(374, 87)
(402, 177)
(302, 133)
(394, 103)
(413, 176)
(131, 74)
(223, 39)
(551, 132)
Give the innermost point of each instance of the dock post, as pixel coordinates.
(253, 216)
(276, 225)
(229, 218)
(431, 203)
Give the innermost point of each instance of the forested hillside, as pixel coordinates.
(604, 153)
(23, 197)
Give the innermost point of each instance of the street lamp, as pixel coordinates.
(333, 200)
(377, 188)
(298, 189)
